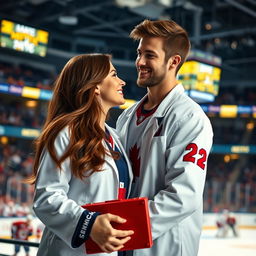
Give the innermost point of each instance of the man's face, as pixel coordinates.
(150, 62)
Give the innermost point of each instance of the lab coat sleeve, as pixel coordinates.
(186, 163)
(51, 203)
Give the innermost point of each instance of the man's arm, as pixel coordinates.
(186, 163)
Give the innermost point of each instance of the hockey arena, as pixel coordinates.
(37, 39)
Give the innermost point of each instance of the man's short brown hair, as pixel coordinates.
(175, 37)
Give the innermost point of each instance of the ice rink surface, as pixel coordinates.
(244, 245)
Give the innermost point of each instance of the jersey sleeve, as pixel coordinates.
(186, 164)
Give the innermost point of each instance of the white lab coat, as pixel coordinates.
(174, 187)
(59, 196)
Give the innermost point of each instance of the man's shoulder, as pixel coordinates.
(185, 108)
(191, 103)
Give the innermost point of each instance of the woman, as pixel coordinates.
(80, 160)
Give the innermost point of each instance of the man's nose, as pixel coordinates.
(141, 61)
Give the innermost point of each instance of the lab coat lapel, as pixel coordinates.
(110, 161)
(121, 148)
(157, 118)
(125, 125)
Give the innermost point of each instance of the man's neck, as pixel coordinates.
(157, 93)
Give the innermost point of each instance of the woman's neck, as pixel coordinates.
(103, 120)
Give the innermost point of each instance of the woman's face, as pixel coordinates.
(110, 90)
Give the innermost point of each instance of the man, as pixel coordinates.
(168, 138)
(21, 230)
(221, 223)
(232, 223)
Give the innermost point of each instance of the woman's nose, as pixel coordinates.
(123, 83)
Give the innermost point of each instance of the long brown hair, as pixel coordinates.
(74, 105)
(175, 37)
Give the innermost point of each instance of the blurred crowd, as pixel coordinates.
(234, 130)
(24, 75)
(16, 114)
(234, 96)
(15, 165)
(9, 208)
(230, 185)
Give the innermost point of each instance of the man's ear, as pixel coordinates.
(97, 89)
(174, 61)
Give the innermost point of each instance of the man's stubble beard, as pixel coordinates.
(153, 81)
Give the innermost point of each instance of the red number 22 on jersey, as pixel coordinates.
(191, 155)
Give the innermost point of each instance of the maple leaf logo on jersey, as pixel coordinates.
(135, 160)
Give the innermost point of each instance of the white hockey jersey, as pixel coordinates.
(173, 160)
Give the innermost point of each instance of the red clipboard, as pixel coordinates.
(135, 211)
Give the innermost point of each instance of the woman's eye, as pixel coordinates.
(115, 74)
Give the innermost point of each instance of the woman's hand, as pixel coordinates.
(105, 236)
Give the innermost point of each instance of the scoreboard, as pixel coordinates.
(23, 38)
(201, 78)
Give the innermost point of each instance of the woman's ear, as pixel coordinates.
(97, 89)
(174, 61)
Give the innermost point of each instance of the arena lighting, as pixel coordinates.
(208, 26)
(31, 103)
(130, 3)
(250, 126)
(212, 25)
(137, 3)
(68, 20)
(4, 140)
(234, 156)
(240, 149)
(234, 45)
(147, 8)
(226, 158)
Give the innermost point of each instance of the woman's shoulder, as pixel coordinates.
(63, 137)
